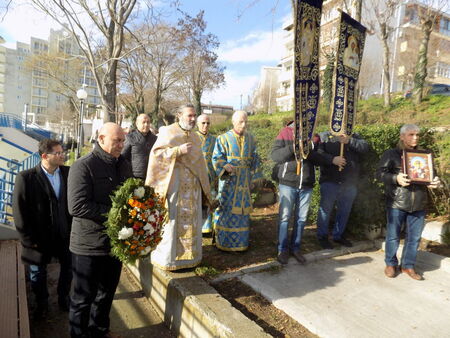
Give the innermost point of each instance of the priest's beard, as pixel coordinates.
(186, 126)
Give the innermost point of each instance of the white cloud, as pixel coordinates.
(23, 21)
(230, 94)
(254, 47)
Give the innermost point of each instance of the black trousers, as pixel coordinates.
(38, 275)
(95, 279)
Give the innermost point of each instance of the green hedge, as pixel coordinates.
(369, 205)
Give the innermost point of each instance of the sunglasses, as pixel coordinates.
(205, 122)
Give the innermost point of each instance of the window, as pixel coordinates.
(445, 26)
(401, 70)
(404, 46)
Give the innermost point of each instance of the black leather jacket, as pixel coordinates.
(411, 198)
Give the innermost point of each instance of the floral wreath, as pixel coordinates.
(135, 220)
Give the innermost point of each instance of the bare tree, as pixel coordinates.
(203, 72)
(429, 12)
(382, 13)
(95, 25)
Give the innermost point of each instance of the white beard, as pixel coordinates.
(186, 126)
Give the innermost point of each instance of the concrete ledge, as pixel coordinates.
(8, 232)
(189, 306)
(434, 230)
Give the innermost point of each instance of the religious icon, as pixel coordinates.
(307, 41)
(418, 165)
(351, 53)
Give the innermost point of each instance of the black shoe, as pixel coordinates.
(283, 257)
(299, 257)
(325, 243)
(344, 242)
(64, 303)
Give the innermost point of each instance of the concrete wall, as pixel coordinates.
(190, 307)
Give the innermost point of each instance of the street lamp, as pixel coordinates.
(82, 95)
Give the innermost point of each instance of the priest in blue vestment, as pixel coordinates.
(208, 142)
(237, 165)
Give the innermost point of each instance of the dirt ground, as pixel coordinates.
(262, 246)
(275, 322)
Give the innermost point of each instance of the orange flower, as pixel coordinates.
(132, 252)
(133, 246)
(133, 213)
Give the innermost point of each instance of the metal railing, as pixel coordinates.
(7, 180)
(31, 129)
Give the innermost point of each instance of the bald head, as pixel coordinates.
(143, 123)
(239, 120)
(111, 138)
(203, 123)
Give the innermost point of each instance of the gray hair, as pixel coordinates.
(203, 115)
(237, 113)
(408, 127)
(184, 106)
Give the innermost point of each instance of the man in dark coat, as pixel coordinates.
(138, 144)
(338, 186)
(92, 179)
(406, 202)
(295, 190)
(43, 222)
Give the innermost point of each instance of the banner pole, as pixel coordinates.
(344, 118)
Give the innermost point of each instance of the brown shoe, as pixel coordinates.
(411, 273)
(299, 257)
(390, 271)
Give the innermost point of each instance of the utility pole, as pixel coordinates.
(241, 101)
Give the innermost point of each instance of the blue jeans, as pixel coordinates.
(331, 193)
(298, 199)
(415, 222)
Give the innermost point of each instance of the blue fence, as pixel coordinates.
(32, 129)
(7, 179)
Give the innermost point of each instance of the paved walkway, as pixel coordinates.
(131, 315)
(349, 296)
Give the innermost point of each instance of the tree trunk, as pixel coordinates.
(109, 97)
(386, 75)
(198, 101)
(358, 9)
(422, 62)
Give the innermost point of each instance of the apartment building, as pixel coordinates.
(27, 84)
(406, 44)
(404, 48)
(265, 94)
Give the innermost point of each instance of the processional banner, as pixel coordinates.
(352, 37)
(306, 73)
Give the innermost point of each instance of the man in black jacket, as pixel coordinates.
(92, 179)
(43, 222)
(138, 144)
(405, 202)
(338, 186)
(294, 190)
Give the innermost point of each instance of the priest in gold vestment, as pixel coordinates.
(177, 171)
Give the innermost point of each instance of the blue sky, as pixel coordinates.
(250, 37)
